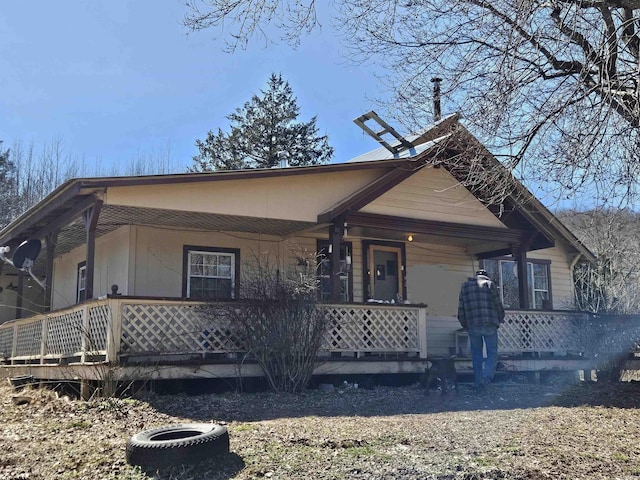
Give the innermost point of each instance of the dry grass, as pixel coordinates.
(516, 431)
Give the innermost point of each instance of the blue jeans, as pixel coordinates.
(488, 335)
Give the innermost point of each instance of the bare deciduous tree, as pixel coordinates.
(9, 198)
(29, 172)
(551, 86)
(612, 285)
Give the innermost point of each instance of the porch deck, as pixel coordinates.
(140, 338)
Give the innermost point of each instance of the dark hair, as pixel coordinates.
(482, 272)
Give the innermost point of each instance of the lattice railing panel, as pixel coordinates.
(192, 328)
(174, 328)
(371, 329)
(64, 333)
(29, 339)
(531, 331)
(99, 317)
(6, 342)
(220, 338)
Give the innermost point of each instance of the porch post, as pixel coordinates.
(520, 252)
(422, 332)
(90, 217)
(50, 242)
(114, 331)
(523, 277)
(335, 238)
(20, 294)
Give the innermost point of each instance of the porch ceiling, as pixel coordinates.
(115, 216)
(475, 240)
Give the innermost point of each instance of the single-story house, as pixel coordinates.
(125, 261)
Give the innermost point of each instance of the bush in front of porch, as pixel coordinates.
(277, 320)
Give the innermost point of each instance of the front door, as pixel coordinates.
(385, 272)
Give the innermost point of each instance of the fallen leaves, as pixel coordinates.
(516, 431)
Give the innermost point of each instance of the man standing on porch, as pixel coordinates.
(480, 312)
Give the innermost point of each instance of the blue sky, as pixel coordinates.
(117, 80)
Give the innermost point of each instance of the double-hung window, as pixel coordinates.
(504, 272)
(211, 274)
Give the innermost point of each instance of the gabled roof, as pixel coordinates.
(70, 199)
(518, 207)
(520, 210)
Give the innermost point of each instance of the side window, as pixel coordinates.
(539, 286)
(211, 274)
(81, 284)
(505, 273)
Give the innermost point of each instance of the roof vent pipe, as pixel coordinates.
(437, 112)
(283, 158)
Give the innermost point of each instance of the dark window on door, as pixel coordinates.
(384, 271)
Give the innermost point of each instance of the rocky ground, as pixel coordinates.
(514, 431)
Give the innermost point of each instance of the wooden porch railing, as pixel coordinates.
(79, 331)
(377, 329)
(569, 332)
(545, 331)
(185, 328)
(112, 328)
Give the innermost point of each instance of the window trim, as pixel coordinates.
(82, 266)
(187, 249)
(539, 261)
(366, 273)
(547, 264)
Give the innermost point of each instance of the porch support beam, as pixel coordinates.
(523, 279)
(90, 218)
(67, 218)
(335, 239)
(433, 227)
(520, 254)
(494, 253)
(50, 243)
(20, 292)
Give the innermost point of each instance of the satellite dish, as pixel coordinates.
(26, 254)
(24, 257)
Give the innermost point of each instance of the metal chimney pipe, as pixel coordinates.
(437, 112)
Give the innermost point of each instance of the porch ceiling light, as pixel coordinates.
(410, 238)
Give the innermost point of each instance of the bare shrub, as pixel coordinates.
(278, 322)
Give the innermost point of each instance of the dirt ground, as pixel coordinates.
(514, 431)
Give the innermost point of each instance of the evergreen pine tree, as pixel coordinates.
(262, 128)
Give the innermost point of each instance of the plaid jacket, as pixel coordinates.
(479, 303)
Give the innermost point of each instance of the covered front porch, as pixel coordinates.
(130, 339)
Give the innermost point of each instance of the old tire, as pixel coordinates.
(177, 444)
